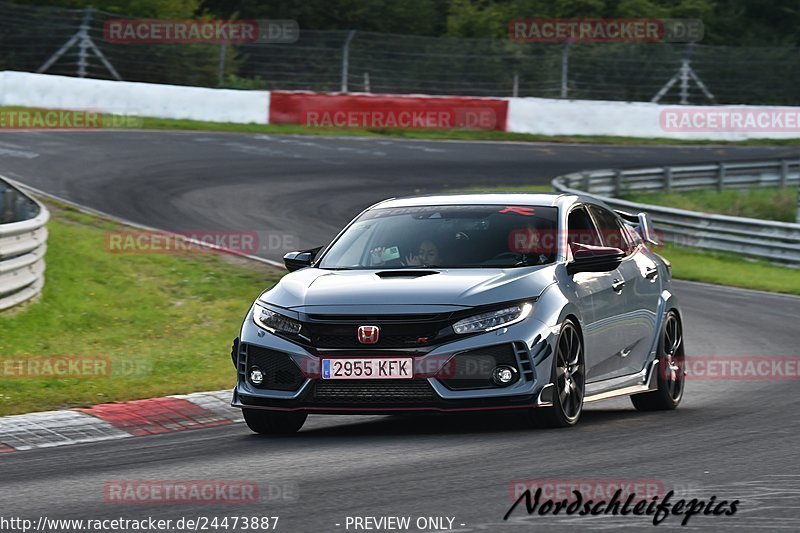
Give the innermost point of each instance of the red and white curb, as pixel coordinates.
(117, 420)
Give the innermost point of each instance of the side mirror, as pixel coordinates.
(594, 259)
(297, 260)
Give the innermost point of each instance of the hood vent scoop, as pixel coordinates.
(401, 273)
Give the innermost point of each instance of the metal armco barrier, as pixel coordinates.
(749, 237)
(23, 242)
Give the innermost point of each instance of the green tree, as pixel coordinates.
(170, 9)
(419, 17)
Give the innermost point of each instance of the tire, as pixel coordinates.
(671, 370)
(568, 376)
(274, 422)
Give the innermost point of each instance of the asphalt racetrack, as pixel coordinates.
(733, 439)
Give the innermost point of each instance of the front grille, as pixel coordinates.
(373, 391)
(417, 331)
(384, 341)
(280, 372)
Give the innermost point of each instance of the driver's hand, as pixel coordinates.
(376, 256)
(412, 260)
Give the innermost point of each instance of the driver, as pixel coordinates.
(427, 254)
(534, 245)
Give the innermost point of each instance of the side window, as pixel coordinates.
(581, 228)
(610, 229)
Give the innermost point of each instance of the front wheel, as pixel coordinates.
(569, 381)
(671, 368)
(274, 422)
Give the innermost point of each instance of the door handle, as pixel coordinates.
(618, 285)
(651, 273)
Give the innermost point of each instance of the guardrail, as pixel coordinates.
(749, 237)
(23, 242)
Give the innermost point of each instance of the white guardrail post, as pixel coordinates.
(23, 243)
(748, 237)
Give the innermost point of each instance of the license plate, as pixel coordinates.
(367, 368)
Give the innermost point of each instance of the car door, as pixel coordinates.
(640, 293)
(601, 305)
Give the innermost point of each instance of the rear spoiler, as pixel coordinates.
(642, 224)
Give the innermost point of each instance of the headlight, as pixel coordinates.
(493, 319)
(275, 322)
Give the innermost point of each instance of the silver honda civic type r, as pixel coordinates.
(534, 302)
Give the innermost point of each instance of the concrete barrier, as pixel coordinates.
(541, 116)
(544, 116)
(133, 99)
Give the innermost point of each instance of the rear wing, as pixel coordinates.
(641, 224)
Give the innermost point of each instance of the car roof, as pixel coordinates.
(503, 198)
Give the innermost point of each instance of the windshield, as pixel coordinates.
(475, 236)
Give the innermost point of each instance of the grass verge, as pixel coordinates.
(165, 322)
(460, 135)
(728, 269)
(767, 204)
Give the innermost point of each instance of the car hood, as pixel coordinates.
(456, 288)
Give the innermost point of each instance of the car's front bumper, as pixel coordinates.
(307, 402)
(531, 341)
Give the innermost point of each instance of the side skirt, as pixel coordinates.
(644, 381)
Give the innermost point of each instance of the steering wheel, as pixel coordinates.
(509, 255)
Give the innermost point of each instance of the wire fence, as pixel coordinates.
(72, 42)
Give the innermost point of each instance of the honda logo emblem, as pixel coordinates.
(368, 334)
